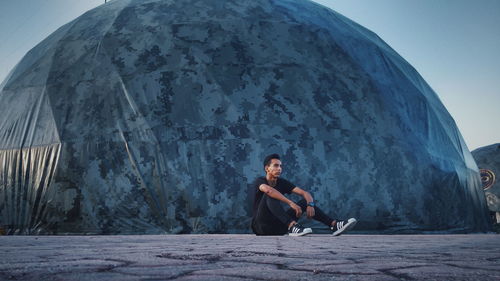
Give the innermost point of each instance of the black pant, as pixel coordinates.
(272, 219)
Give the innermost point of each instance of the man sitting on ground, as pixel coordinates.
(269, 216)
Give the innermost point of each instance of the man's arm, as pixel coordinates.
(310, 210)
(273, 193)
(303, 193)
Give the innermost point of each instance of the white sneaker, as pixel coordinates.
(298, 230)
(342, 226)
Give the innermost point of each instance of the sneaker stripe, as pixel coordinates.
(298, 230)
(344, 226)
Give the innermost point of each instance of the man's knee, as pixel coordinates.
(271, 202)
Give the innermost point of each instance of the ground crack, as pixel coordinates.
(401, 276)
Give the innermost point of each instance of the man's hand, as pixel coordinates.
(310, 212)
(296, 208)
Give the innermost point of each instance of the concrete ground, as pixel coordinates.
(248, 257)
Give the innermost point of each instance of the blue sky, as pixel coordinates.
(453, 44)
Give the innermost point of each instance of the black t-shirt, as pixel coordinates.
(282, 185)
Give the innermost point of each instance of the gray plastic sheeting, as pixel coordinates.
(153, 117)
(488, 160)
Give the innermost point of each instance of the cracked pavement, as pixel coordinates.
(250, 257)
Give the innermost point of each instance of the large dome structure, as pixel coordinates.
(152, 116)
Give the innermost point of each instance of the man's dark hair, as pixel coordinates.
(268, 159)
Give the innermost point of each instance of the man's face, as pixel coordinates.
(274, 168)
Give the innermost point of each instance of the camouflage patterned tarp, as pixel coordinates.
(152, 116)
(488, 160)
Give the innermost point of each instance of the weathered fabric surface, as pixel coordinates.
(153, 116)
(488, 161)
